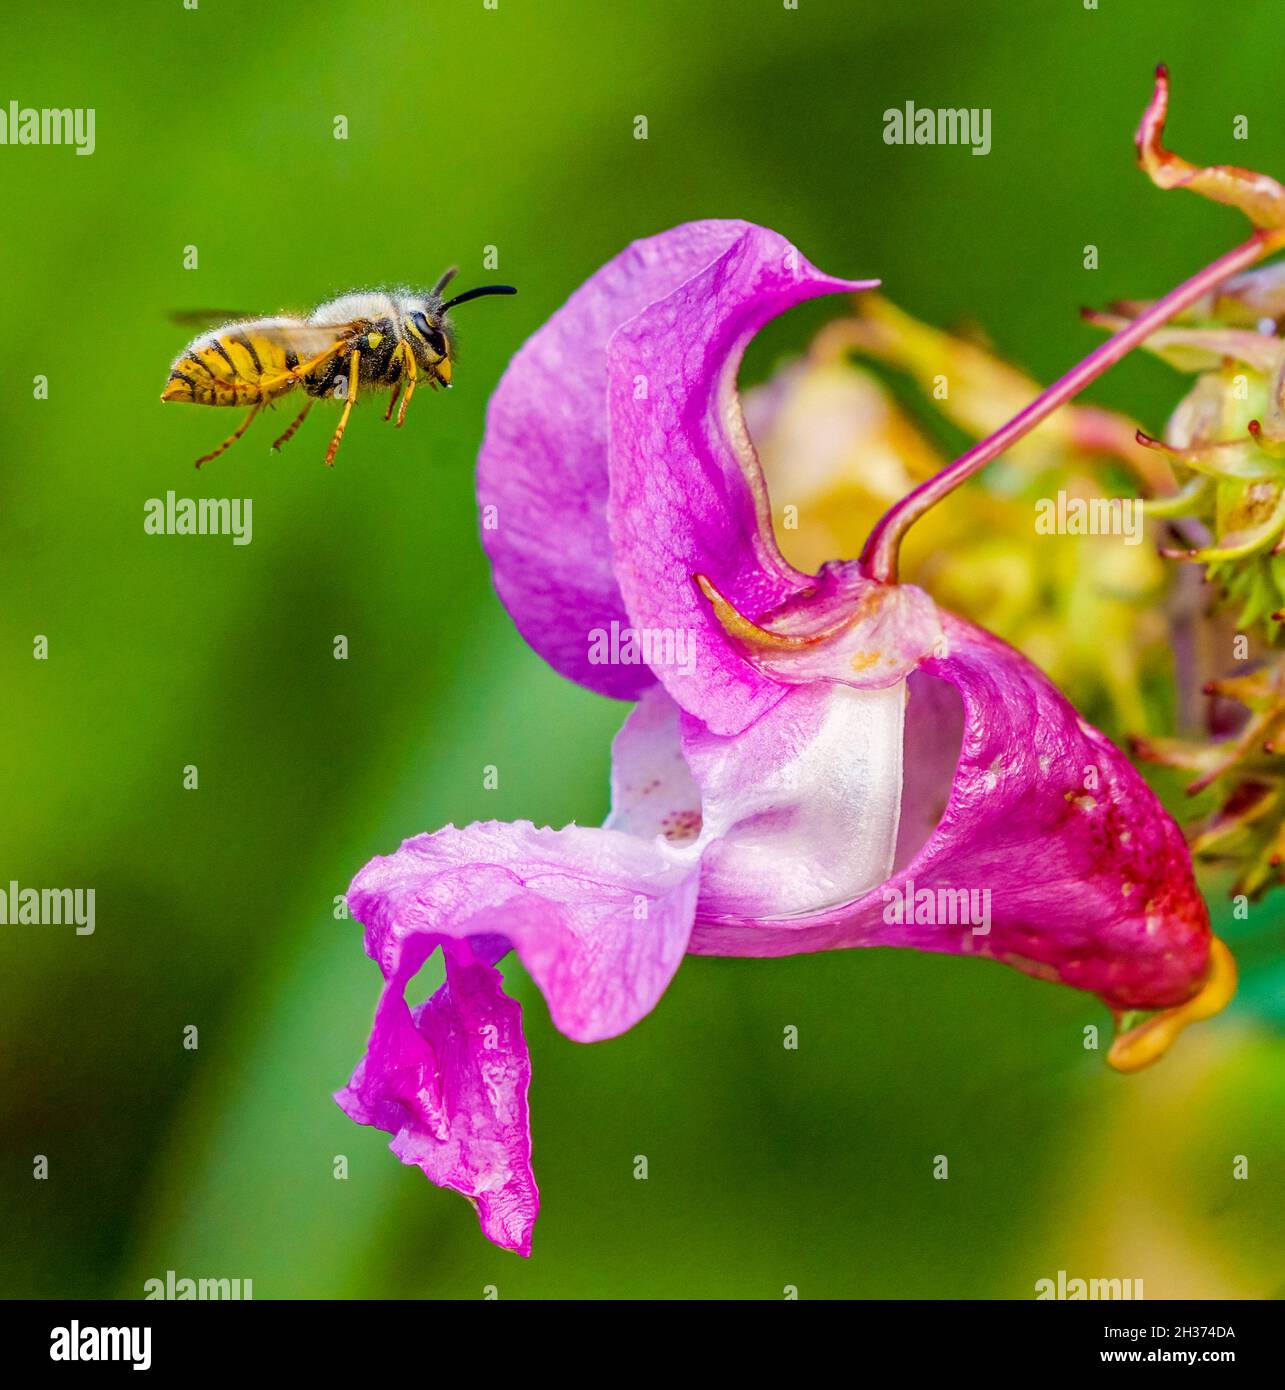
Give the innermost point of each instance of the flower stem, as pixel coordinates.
(879, 557)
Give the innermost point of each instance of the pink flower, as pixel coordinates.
(812, 762)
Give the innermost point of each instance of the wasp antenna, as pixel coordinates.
(445, 279)
(477, 294)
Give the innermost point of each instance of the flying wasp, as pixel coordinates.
(381, 340)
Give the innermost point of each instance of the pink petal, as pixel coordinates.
(543, 464)
(1089, 879)
(599, 918)
(687, 493)
(449, 1083)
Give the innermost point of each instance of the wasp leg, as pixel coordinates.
(232, 438)
(294, 425)
(412, 375)
(315, 363)
(397, 389)
(279, 383)
(353, 382)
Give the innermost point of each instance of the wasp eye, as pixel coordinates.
(434, 337)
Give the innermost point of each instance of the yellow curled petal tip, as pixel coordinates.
(1149, 1040)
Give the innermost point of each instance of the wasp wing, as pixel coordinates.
(304, 339)
(250, 360)
(259, 348)
(207, 318)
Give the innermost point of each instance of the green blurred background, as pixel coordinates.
(513, 127)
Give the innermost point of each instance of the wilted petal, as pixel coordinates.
(449, 1083)
(600, 918)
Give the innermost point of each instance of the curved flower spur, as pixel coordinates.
(813, 761)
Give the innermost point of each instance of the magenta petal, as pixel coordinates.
(543, 464)
(600, 919)
(687, 492)
(1089, 879)
(449, 1083)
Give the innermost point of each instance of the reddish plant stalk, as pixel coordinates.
(879, 557)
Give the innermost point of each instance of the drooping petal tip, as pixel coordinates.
(449, 1082)
(600, 919)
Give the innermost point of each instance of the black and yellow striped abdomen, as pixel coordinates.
(234, 368)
